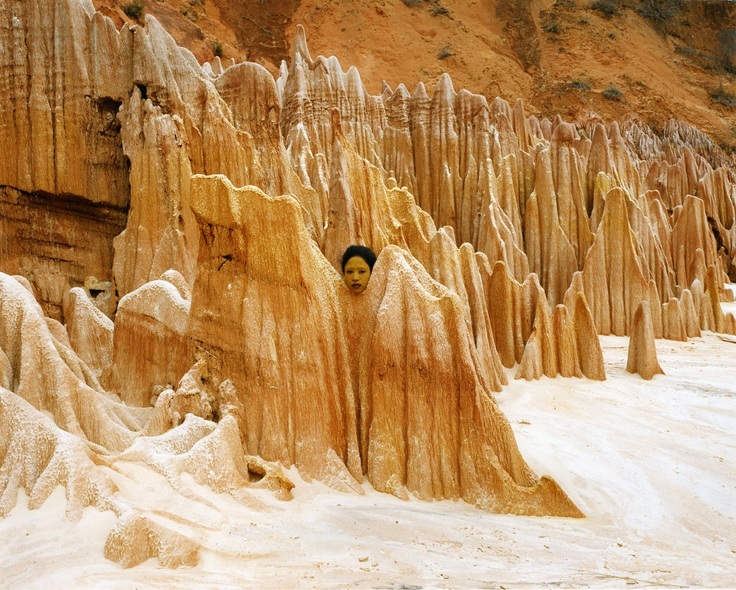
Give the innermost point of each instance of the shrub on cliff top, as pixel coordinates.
(607, 7)
(133, 9)
(613, 93)
(722, 96)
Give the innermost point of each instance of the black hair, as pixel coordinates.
(363, 252)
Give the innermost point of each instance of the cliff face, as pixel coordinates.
(216, 321)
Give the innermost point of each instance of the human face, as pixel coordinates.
(356, 274)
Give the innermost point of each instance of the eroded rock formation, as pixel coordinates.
(175, 232)
(642, 356)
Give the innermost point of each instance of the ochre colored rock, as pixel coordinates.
(90, 331)
(564, 343)
(690, 316)
(589, 349)
(275, 330)
(414, 337)
(57, 242)
(38, 456)
(614, 277)
(692, 236)
(642, 349)
(673, 324)
(48, 374)
(505, 313)
(136, 537)
(544, 345)
(151, 343)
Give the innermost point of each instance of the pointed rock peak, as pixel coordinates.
(615, 133)
(386, 91)
(564, 133)
(544, 184)
(355, 84)
(500, 267)
(600, 136)
(642, 357)
(444, 87)
(519, 109)
(420, 92)
(300, 44)
(532, 281)
(500, 106)
(546, 126)
(402, 92)
(615, 205)
(576, 287)
(531, 366)
(217, 68)
(504, 123)
(588, 344)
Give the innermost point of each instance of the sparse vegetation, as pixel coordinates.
(552, 27)
(578, 85)
(607, 7)
(633, 83)
(722, 96)
(217, 48)
(188, 12)
(436, 8)
(133, 9)
(612, 92)
(581, 82)
(686, 50)
(727, 39)
(659, 12)
(724, 61)
(444, 53)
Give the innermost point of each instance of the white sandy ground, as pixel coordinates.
(651, 464)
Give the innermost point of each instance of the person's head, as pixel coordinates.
(357, 265)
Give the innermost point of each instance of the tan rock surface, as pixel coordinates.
(137, 537)
(614, 278)
(56, 429)
(151, 342)
(37, 456)
(642, 349)
(398, 349)
(90, 331)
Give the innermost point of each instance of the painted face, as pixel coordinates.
(356, 275)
